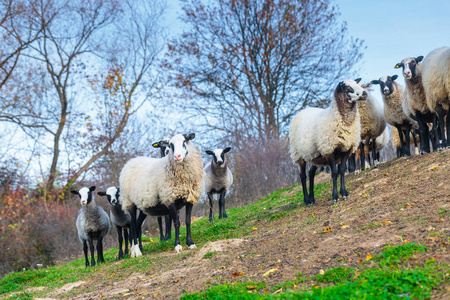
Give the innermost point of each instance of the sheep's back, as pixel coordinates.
(371, 117)
(302, 134)
(92, 219)
(436, 78)
(217, 183)
(139, 180)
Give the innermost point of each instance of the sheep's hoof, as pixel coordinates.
(193, 246)
(344, 197)
(135, 251)
(178, 248)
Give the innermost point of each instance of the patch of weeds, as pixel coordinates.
(396, 255)
(443, 212)
(336, 275)
(436, 234)
(210, 254)
(290, 284)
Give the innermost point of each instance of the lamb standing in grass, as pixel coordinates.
(436, 83)
(161, 186)
(92, 224)
(392, 93)
(218, 180)
(119, 218)
(327, 137)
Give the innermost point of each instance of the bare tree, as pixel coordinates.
(249, 66)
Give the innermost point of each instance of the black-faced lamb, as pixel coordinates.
(327, 137)
(163, 146)
(161, 186)
(92, 224)
(436, 83)
(415, 105)
(394, 115)
(218, 180)
(119, 218)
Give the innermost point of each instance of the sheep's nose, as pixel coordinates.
(178, 157)
(407, 73)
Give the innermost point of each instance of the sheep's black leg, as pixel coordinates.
(100, 250)
(120, 238)
(311, 174)
(334, 175)
(85, 250)
(407, 139)
(133, 232)
(91, 248)
(402, 141)
(189, 241)
(139, 222)
(342, 166)
(161, 232)
(125, 234)
(441, 115)
(352, 163)
(414, 136)
(448, 128)
(211, 216)
(302, 165)
(424, 135)
(176, 223)
(168, 220)
(362, 157)
(223, 192)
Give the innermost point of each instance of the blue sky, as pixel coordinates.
(392, 30)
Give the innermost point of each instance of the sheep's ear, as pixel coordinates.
(163, 143)
(156, 145)
(92, 188)
(357, 80)
(209, 152)
(341, 86)
(419, 58)
(226, 150)
(190, 136)
(101, 193)
(393, 77)
(399, 65)
(75, 192)
(375, 82)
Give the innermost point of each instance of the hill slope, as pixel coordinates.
(271, 241)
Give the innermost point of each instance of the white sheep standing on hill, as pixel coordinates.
(414, 100)
(161, 186)
(394, 115)
(327, 136)
(92, 224)
(436, 83)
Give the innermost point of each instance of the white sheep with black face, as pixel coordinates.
(327, 136)
(161, 186)
(119, 218)
(218, 180)
(394, 114)
(414, 100)
(92, 224)
(436, 83)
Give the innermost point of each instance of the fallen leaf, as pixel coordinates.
(298, 256)
(221, 267)
(329, 229)
(431, 228)
(143, 292)
(433, 167)
(345, 226)
(278, 291)
(407, 241)
(387, 173)
(440, 220)
(251, 287)
(387, 223)
(368, 256)
(322, 272)
(101, 295)
(270, 272)
(315, 286)
(360, 260)
(236, 274)
(151, 240)
(254, 228)
(365, 195)
(124, 291)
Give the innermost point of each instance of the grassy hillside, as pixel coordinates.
(388, 240)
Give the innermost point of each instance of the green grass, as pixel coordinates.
(392, 277)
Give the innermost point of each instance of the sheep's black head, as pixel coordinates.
(163, 146)
(351, 89)
(85, 194)
(112, 194)
(218, 155)
(409, 66)
(178, 146)
(386, 84)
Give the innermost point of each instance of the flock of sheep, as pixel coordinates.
(353, 124)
